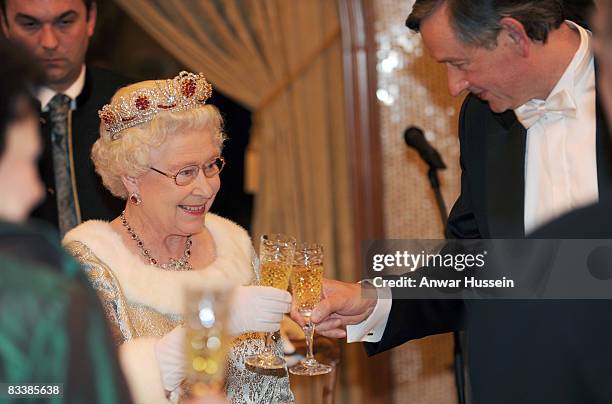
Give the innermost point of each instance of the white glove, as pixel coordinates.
(257, 308)
(170, 353)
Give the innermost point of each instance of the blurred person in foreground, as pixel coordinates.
(52, 327)
(160, 150)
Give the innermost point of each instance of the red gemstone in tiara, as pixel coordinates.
(188, 88)
(183, 92)
(142, 103)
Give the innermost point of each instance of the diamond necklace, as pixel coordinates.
(182, 264)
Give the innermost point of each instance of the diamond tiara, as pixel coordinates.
(185, 91)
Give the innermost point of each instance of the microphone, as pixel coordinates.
(415, 138)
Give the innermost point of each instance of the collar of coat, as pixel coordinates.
(161, 289)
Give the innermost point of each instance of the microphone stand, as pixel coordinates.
(434, 181)
(432, 174)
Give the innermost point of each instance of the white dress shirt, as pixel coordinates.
(560, 162)
(45, 94)
(561, 154)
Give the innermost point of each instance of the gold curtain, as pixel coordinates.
(283, 60)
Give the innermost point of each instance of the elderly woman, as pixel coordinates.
(160, 148)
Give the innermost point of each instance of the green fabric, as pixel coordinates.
(33, 342)
(52, 328)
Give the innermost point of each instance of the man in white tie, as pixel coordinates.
(534, 146)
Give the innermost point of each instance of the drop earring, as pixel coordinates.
(135, 199)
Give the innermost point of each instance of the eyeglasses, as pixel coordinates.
(187, 175)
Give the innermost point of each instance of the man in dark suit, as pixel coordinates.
(57, 33)
(534, 145)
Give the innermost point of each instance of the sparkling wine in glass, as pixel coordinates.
(275, 274)
(207, 342)
(276, 258)
(306, 278)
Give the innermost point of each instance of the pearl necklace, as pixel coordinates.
(182, 264)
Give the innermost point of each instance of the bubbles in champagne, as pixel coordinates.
(306, 286)
(275, 274)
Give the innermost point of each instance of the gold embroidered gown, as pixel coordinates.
(143, 303)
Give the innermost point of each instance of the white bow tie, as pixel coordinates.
(561, 104)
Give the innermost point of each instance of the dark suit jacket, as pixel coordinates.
(491, 203)
(92, 199)
(518, 351)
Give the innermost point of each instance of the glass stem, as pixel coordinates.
(309, 332)
(268, 344)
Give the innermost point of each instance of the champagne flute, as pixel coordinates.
(206, 342)
(276, 257)
(306, 278)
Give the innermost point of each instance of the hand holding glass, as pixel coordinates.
(306, 278)
(276, 257)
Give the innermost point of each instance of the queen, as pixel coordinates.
(160, 149)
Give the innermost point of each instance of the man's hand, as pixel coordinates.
(342, 304)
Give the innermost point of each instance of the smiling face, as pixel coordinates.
(174, 209)
(496, 75)
(56, 32)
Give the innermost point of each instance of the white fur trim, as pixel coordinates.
(161, 289)
(139, 363)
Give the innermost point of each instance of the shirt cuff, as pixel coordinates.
(372, 328)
